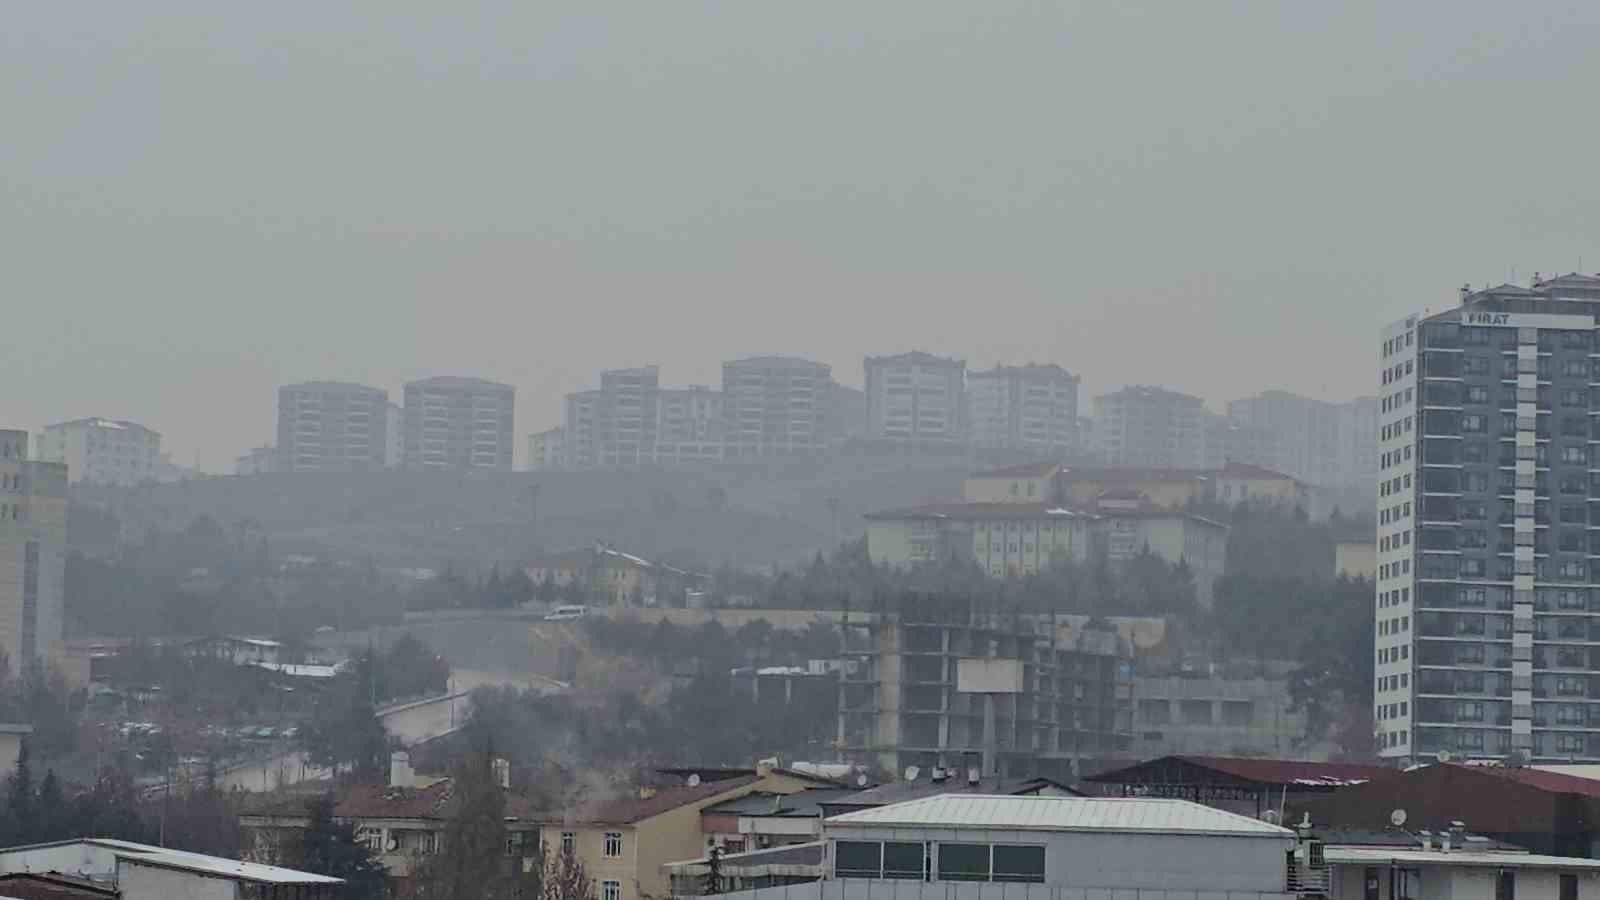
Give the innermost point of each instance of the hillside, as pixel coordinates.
(758, 514)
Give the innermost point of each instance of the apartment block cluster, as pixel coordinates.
(447, 422)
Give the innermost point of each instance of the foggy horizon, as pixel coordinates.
(202, 204)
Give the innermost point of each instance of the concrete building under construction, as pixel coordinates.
(954, 684)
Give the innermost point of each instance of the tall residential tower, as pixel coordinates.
(1488, 608)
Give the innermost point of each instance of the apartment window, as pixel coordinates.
(1569, 887)
(569, 843)
(1019, 863)
(610, 890)
(613, 844)
(858, 859)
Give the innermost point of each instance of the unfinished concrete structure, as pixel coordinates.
(959, 685)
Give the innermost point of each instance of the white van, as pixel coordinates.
(566, 613)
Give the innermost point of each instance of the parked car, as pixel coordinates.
(566, 613)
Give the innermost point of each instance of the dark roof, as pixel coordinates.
(1555, 782)
(805, 804)
(1025, 470)
(901, 791)
(726, 773)
(957, 510)
(379, 801)
(1390, 837)
(1284, 773)
(42, 885)
(627, 810)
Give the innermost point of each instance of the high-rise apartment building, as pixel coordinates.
(1488, 607)
(332, 426)
(547, 450)
(776, 405)
(33, 552)
(1032, 407)
(453, 422)
(394, 438)
(916, 398)
(625, 416)
(690, 425)
(1150, 426)
(1320, 443)
(103, 451)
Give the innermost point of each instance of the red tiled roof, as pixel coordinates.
(1117, 474)
(1247, 470)
(1025, 470)
(379, 801)
(958, 510)
(1555, 782)
(627, 810)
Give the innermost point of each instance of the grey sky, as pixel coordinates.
(199, 201)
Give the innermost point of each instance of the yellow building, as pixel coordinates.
(1241, 483)
(625, 844)
(1030, 483)
(1160, 487)
(1003, 538)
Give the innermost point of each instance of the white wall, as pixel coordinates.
(854, 889)
(1121, 861)
(151, 883)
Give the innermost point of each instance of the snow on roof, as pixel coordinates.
(1150, 816)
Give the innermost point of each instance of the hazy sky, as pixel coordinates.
(199, 201)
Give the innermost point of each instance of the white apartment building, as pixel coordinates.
(103, 451)
(690, 425)
(1150, 426)
(547, 450)
(1032, 407)
(1488, 609)
(394, 440)
(1320, 443)
(916, 397)
(453, 422)
(332, 426)
(776, 405)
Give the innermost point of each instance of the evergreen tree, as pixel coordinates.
(19, 819)
(713, 882)
(473, 861)
(330, 848)
(50, 808)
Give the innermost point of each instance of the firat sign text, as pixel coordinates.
(1488, 318)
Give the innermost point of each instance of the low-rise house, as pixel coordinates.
(142, 872)
(763, 819)
(1450, 864)
(613, 578)
(241, 651)
(624, 844)
(1003, 539)
(52, 886)
(402, 821)
(1027, 483)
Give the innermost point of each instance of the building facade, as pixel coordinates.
(1150, 426)
(103, 451)
(547, 450)
(776, 405)
(1320, 443)
(916, 398)
(459, 423)
(257, 461)
(1032, 408)
(690, 426)
(33, 553)
(952, 686)
(332, 426)
(1486, 599)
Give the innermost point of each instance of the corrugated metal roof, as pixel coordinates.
(1289, 773)
(1061, 814)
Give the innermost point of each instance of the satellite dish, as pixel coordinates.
(861, 780)
(912, 772)
(694, 780)
(1443, 756)
(1397, 818)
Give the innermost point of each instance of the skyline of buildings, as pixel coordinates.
(455, 422)
(103, 451)
(332, 426)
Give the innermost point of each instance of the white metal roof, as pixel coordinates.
(163, 857)
(1417, 857)
(1060, 814)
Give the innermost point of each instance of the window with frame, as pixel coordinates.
(610, 890)
(612, 848)
(1569, 743)
(1019, 863)
(858, 859)
(964, 862)
(569, 843)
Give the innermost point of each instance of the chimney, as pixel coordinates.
(400, 774)
(1466, 291)
(502, 773)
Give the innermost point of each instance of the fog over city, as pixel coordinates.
(811, 451)
(202, 202)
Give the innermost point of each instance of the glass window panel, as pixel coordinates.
(1018, 863)
(963, 862)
